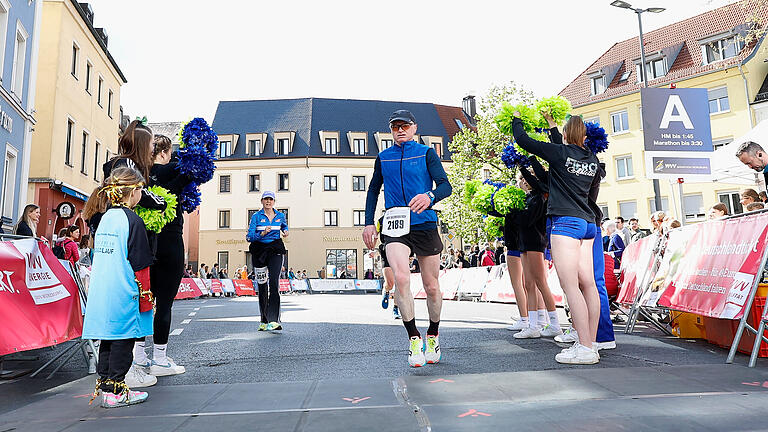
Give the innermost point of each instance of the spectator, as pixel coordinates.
(622, 228)
(755, 206)
(499, 256)
(474, 257)
(304, 274)
(763, 196)
(634, 230)
(657, 219)
(187, 274)
(369, 274)
(322, 273)
(717, 211)
(84, 250)
(674, 223)
(223, 273)
(752, 155)
(215, 273)
(488, 257)
(615, 243)
(462, 261)
(291, 274)
(415, 265)
(30, 217)
(749, 196)
(62, 233)
(70, 242)
(207, 272)
(203, 272)
(604, 235)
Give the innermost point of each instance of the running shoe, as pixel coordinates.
(130, 397)
(527, 333)
(385, 299)
(578, 354)
(416, 352)
(568, 336)
(274, 326)
(551, 331)
(262, 326)
(396, 312)
(518, 325)
(605, 345)
(169, 368)
(432, 350)
(138, 377)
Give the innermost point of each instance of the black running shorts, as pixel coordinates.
(421, 243)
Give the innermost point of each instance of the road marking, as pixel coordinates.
(197, 309)
(441, 380)
(356, 399)
(192, 314)
(473, 413)
(186, 321)
(757, 384)
(176, 332)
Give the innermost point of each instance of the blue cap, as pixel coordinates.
(402, 115)
(268, 194)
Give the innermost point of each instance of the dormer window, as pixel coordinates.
(720, 49)
(597, 84)
(331, 146)
(655, 68)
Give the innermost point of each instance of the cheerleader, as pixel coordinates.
(515, 269)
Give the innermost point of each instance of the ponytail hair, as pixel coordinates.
(575, 131)
(115, 190)
(136, 145)
(162, 143)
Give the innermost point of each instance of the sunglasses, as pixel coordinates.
(403, 126)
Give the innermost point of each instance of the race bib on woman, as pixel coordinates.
(397, 222)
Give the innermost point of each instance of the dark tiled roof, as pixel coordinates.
(682, 37)
(449, 115)
(307, 117)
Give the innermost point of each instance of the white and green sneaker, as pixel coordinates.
(432, 350)
(416, 352)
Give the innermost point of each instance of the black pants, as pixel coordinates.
(269, 296)
(165, 276)
(115, 358)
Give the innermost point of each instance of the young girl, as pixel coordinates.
(572, 170)
(119, 307)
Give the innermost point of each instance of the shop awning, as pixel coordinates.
(73, 193)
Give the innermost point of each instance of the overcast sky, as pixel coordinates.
(183, 56)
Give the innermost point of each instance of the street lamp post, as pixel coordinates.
(644, 72)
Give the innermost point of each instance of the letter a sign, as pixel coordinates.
(676, 120)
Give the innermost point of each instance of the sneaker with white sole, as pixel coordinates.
(169, 368)
(138, 377)
(416, 352)
(432, 350)
(578, 354)
(568, 336)
(605, 345)
(518, 325)
(550, 331)
(130, 397)
(527, 333)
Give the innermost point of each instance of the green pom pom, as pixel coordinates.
(494, 226)
(509, 198)
(470, 188)
(557, 106)
(481, 201)
(539, 136)
(155, 220)
(531, 118)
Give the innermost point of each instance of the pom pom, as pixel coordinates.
(196, 163)
(597, 139)
(155, 220)
(509, 198)
(531, 118)
(482, 201)
(494, 226)
(196, 132)
(470, 188)
(497, 185)
(512, 157)
(557, 106)
(190, 198)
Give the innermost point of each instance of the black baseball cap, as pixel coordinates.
(402, 115)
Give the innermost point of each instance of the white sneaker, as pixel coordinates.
(551, 331)
(568, 336)
(432, 350)
(518, 325)
(170, 368)
(604, 345)
(137, 377)
(416, 356)
(578, 354)
(528, 333)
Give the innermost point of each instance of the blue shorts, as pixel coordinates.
(572, 227)
(514, 253)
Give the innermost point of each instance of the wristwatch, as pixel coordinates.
(431, 196)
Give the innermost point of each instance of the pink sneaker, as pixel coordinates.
(112, 400)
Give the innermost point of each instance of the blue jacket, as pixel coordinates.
(260, 221)
(405, 171)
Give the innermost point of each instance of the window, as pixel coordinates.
(331, 218)
(283, 147)
(224, 184)
(282, 182)
(620, 121)
(593, 120)
(721, 49)
(358, 217)
(359, 146)
(628, 209)
(604, 210)
(96, 161)
(358, 183)
(330, 183)
(459, 124)
(597, 85)
(223, 218)
(285, 212)
(84, 154)
(88, 70)
(693, 207)
(486, 174)
(254, 147)
(331, 146)
(386, 143)
(654, 69)
(624, 167)
(716, 144)
(250, 216)
(664, 205)
(341, 263)
(98, 91)
(223, 260)
(19, 60)
(4, 8)
(75, 57)
(625, 75)
(732, 200)
(718, 100)
(70, 137)
(254, 183)
(225, 149)
(109, 103)
(8, 187)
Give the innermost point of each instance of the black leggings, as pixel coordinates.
(165, 276)
(115, 358)
(269, 297)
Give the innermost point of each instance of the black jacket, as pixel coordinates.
(168, 177)
(24, 230)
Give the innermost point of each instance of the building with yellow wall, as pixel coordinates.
(78, 113)
(705, 51)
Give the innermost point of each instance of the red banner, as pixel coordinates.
(216, 286)
(285, 285)
(188, 289)
(243, 287)
(635, 263)
(713, 272)
(39, 300)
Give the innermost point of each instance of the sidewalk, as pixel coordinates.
(681, 398)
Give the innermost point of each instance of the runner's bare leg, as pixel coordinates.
(430, 270)
(397, 255)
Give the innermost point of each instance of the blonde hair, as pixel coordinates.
(575, 131)
(115, 190)
(29, 208)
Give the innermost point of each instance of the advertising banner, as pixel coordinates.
(367, 284)
(676, 120)
(215, 286)
(679, 167)
(712, 272)
(299, 284)
(325, 285)
(285, 286)
(188, 289)
(243, 287)
(39, 300)
(635, 263)
(449, 282)
(227, 285)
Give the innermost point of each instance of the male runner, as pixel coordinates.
(408, 170)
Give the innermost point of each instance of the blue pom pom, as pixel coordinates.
(512, 158)
(197, 163)
(597, 139)
(189, 199)
(198, 133)
(497, 185)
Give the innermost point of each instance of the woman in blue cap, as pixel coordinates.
(265, 233)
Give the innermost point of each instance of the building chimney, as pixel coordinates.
(102, 34)
(88, 11)
(469, 107)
